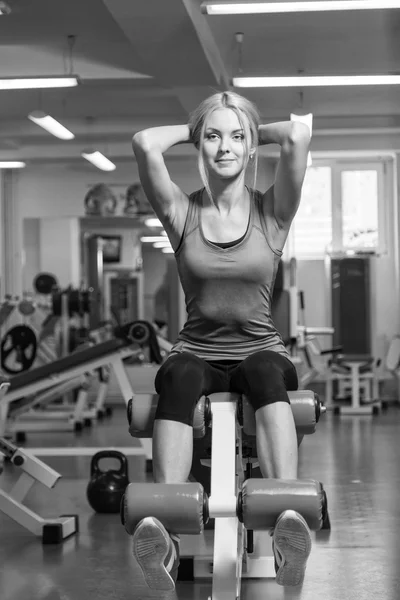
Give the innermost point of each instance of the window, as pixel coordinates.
(359, 209)
(312, 226)
(341, 210)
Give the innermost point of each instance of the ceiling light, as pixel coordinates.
(242, 8)
(11, 164)
(51, 125)
(152, 238)
(153, 223)
(25, 83)
(164, 244)
(167, 250)
(99, 160)
(4, 9)
(301, 81)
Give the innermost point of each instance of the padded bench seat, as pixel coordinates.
(64, 364)
(306, 407)
(342, 362)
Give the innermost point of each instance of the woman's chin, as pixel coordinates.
(225, 173)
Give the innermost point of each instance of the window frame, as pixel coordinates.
(338, 166)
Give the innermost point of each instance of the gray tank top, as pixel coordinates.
(228, 287)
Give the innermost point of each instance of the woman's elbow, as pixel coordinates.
(300, 133)
(138, 141)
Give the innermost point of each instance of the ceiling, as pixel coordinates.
(149, 62)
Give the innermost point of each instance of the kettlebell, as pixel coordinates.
(106, 488)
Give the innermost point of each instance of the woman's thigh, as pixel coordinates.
(181, 381)
(264, 377)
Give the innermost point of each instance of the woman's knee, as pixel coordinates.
(179, 370)
(268, 378)
(179, 383)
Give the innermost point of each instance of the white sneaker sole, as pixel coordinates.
(150, 547)
(293, 540)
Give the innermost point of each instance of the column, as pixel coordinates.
(11, 253)
(60, 250)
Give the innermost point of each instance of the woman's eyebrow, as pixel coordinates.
(218, 131)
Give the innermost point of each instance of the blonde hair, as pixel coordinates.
(244, 110)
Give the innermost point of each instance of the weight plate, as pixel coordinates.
(44, 283)
(139, 333)
(18, 349)
(26, 308)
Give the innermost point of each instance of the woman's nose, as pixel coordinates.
(224, 146)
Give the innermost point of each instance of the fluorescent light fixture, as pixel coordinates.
(26, 83)
(247, 8)
(167, 250)
(164, 244)
(4, 8)
(315, 81)
(51, 125)
(99, 160)
(152, 238)
(153, 223)
(11, 164)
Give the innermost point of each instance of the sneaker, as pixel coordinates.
(291, 545)
(157, 554)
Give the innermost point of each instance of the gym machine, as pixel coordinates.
(76, 372)
(354, 369)
(288, 314)
(244, 508)
(117, 292)
(52, 531)
(392, 362)
(45, 318)
(129, 340)
(28, 340)
(23, 343)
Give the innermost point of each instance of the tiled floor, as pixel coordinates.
(356, 458)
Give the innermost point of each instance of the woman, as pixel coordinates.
(228, 240)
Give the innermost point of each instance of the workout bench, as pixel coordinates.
(39, 386)
(354, 374)
(52, 531)
(240, 505)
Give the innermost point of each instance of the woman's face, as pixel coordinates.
(226, 144)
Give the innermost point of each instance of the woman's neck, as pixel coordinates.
(227, 195)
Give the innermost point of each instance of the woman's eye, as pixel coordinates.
(211, 136)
